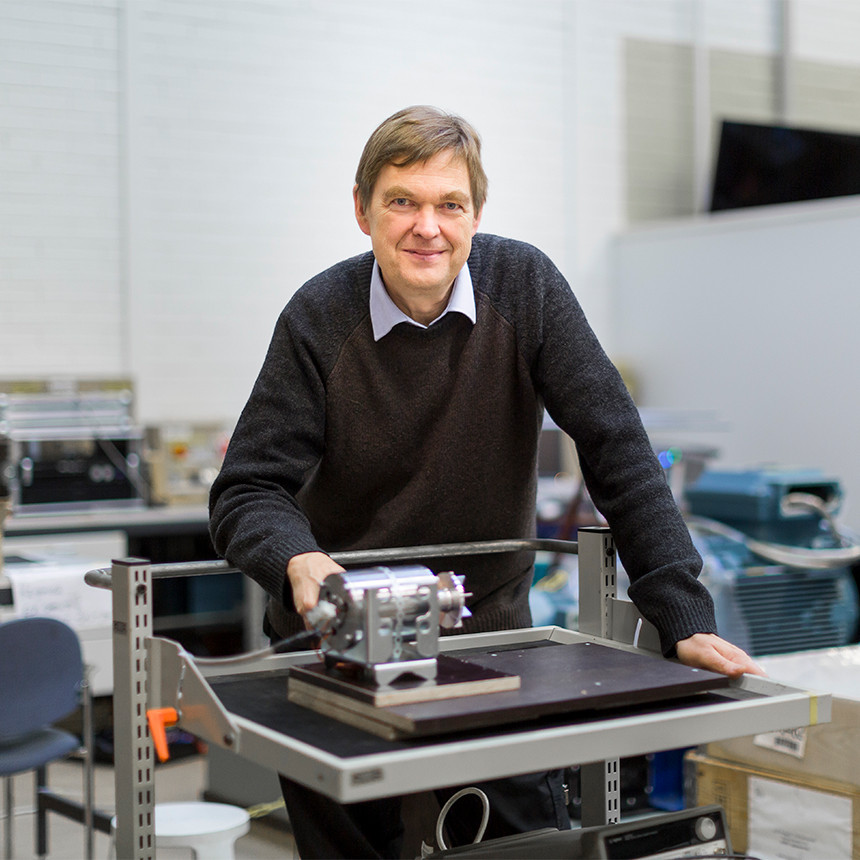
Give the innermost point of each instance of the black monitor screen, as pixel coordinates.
(758, 165)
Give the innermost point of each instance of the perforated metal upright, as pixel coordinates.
(134, 765)
(600, 781)
(597, 580)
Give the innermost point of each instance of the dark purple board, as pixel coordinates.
(554, 679)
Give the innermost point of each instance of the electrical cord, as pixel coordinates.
(292, 643)
(792, 556)
(825, 510)
(440, 821)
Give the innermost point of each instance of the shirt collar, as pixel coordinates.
(384, 314)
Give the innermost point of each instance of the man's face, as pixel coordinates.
(420, 221)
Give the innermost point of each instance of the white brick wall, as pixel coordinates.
(171, 170)
(60, 292)
(247, 122)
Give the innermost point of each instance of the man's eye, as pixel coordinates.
(450, 206)
(400, 201)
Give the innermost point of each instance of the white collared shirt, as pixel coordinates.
(384, 314)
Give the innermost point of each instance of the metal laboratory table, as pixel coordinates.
(180, 519)
(243, 707)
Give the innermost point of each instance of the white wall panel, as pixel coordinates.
(752, 316)
(826, 30)
(602, 27)
(741, 25)
(60, 300)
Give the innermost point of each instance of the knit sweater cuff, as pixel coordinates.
(677, 604)
(269, 568)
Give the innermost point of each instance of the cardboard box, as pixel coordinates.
(827, 751)
(769, 815)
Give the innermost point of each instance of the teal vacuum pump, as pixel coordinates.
(780, 569)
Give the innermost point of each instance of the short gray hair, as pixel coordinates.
(413, 135)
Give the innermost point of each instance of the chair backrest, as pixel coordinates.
(41, 671)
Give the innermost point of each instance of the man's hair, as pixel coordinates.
(413, 135)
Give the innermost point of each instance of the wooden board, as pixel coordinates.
(454, 678)
(555, 679)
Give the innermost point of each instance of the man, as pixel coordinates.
(400, 404)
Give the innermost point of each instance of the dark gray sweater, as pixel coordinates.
(430, 436)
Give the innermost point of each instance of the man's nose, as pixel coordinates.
(426, 223)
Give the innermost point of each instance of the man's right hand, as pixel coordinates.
(305, 573)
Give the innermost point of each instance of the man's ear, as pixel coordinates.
(360, 215)
(477, 221)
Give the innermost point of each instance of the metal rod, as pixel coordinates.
(101, 577)
(73, 810)
(88, 742)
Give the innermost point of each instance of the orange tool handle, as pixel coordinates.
(159, 719)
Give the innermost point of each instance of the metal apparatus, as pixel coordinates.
(152, 673)
(386, 620)
(70, 446)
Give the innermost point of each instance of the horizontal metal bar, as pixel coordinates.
(51, 802)
(101, 577)
(372, 556)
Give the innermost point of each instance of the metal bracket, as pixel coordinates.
(176, 681)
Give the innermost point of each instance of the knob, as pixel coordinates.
(706, 829)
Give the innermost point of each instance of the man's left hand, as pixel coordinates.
(709, 651)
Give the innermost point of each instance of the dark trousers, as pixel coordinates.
(325, 829)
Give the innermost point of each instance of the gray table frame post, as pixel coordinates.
(600, 783)
(134, 765)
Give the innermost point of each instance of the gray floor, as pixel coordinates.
(174, 781)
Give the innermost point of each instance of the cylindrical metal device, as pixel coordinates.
(386, 615)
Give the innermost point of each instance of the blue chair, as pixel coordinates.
(42, 681)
